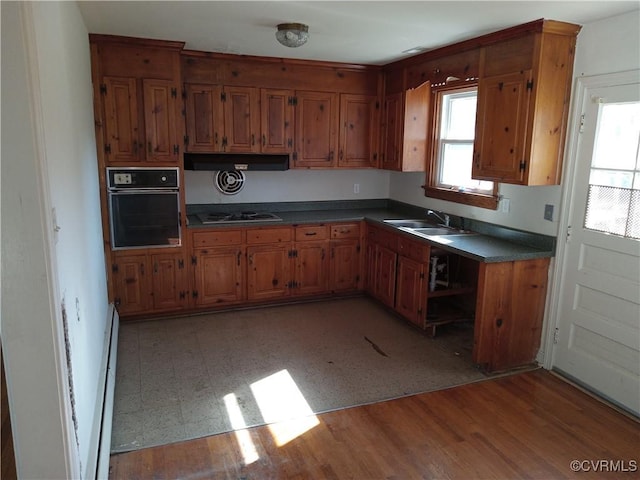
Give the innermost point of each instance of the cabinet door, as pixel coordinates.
(311, 268)
(345, 265)
(276, 108)
(130, 286)
(411, 291)
(268, 271)
(218, 276)
(371, 269)
(241, 120)
(386, 276)
(160, 97)
(316, 129)
(501, 127)
(204, 117)
(358, 132)
(169, 285)
(509, 313)
(122, 134)
(392, 131)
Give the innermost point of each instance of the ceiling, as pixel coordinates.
(363, 32)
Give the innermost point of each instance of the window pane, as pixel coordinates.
(607, 209)
(455, 168)
(611, 178)
(617, 136)
(614, 181)
(460, 116)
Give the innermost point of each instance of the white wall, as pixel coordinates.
(609, 45)
(525, 213)
(49, 272)
(291, 186)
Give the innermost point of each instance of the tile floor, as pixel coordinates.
(175, 377)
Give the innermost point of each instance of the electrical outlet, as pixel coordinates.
(505, 205)
(548, 212)
(356, 188)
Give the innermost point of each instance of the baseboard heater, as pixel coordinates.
(104, 446)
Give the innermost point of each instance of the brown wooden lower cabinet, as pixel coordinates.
(344, 268)
(147, 282)
(411, 291)
(509, 312)
(218, 275)
(505, 300)
(268, 271)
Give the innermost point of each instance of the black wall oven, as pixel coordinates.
(144, 207)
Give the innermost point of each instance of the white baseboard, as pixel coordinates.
(104, 447)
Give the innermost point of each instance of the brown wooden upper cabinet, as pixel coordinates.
(222, 119)
(276, 111)
(359, 119)
(523, 101)
(316, 129)
(136, 100)
(133, 138)
(405, 129)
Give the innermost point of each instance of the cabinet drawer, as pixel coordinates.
(268, 235)
(417, 251)
(345, 230)
(311, 232)
(217, 237)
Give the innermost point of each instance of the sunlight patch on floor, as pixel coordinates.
(283, 407)
(243, 436)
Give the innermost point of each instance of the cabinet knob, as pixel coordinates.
(499, 322)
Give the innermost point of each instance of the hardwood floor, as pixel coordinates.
(526, 425)
(8, 459)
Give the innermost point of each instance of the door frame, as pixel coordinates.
(581, 92)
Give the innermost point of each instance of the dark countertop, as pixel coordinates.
(486, 243)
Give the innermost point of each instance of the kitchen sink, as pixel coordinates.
(411, 223)
(430, 231)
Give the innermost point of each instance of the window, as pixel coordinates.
(613, 201)
(450, 173)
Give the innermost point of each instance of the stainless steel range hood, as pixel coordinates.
(235, 161)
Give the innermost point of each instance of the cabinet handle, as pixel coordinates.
(142, 268)
(135, 147)
(250, 259)
(150, 148)
(341, 154)
(311, 234)
(322, 256)
(264, 139)
(333, 253)
(239, 254)
(215, 138)
(499, 322)
(155, 267)
(253, 139)
(331, 156)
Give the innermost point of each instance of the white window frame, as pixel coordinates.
(445, 99)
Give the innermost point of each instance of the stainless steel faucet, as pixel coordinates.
(446, 219)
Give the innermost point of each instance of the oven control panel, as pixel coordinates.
(122, 179)
(142, 178)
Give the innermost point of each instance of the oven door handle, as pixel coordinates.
(137, 191)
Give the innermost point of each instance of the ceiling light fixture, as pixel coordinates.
(292, 34)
